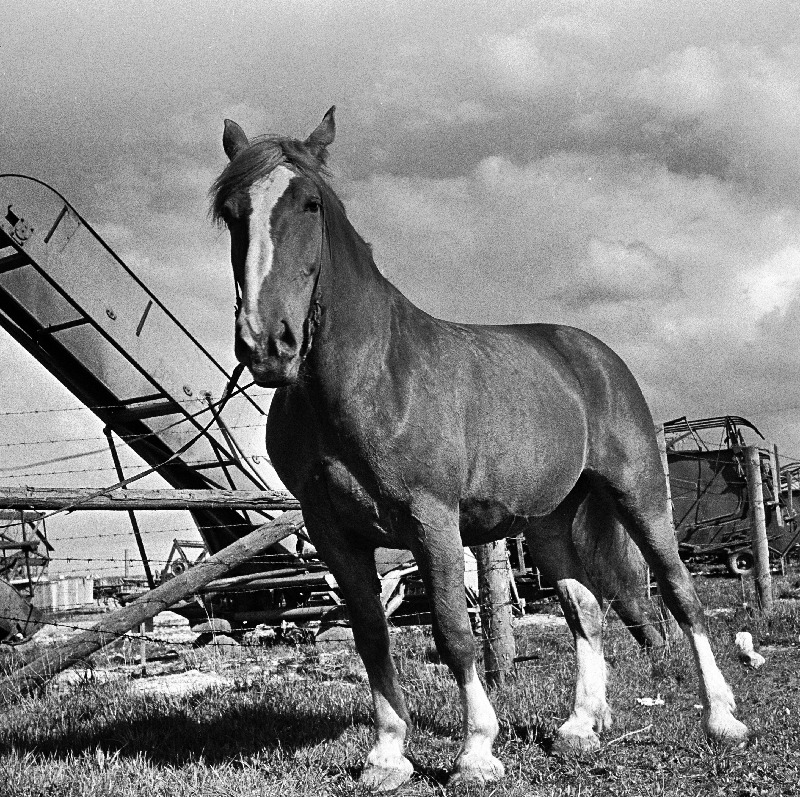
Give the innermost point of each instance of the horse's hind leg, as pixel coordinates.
(353, 567)
(640, 495)
(558, 559)
(616, 568)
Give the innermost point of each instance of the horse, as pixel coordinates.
(397, 429)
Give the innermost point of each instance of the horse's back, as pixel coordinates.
(539, 360)
(555, 401)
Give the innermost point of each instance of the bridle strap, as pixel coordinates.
(314, 315)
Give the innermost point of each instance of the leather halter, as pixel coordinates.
(314, 315)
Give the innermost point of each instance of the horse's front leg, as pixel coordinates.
(353, 567)
(439, 553)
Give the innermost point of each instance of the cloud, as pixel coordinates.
(631, 169)
(619, 271)
(773, 286)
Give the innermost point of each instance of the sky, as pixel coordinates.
(629, 168)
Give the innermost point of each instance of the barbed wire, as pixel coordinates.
(126, 438)
(250, 389)
(109, 468)
(138, 636)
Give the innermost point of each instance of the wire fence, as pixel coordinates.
(397, 619)
(682, 487)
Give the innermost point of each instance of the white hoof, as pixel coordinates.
(477, 768)
(386, 776)
(570, 744)
(722, 727)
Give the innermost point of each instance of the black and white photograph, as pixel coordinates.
(399, 398)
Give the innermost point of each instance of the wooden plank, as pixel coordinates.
(148, 605)
(51, 498)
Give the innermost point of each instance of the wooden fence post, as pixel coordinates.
(494, 589)
(758, 529)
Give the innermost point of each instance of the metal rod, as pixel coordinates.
(134, 523)
(774, 466)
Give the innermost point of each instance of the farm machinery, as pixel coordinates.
(24, 557)
(710, 504)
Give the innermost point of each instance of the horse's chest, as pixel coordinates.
(356, 503)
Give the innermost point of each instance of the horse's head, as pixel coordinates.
(270, 196)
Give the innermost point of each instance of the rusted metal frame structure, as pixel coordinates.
(76, 307)
(25, 546)
(709, 485)
(75, 650)
(789, 483)
(20, 533)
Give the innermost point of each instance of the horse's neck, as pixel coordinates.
(360, 322)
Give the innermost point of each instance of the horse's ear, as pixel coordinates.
(234, 139)
(319, 141)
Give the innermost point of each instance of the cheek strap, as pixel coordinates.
(314, 316)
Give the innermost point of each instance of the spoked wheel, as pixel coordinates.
(741, 563)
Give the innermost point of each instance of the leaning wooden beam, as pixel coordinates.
(43, 498)
(148, 605)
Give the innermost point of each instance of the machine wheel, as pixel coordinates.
(741, 563)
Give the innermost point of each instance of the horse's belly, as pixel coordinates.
(486, 521)
(521, 479)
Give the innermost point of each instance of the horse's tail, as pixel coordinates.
(617, 569)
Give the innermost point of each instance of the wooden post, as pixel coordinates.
(148, 605)
(495, 602)
(758, 529)
(143, 647)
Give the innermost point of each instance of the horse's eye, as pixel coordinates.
(313, 206)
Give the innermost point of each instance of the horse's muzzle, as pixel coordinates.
(273, 359)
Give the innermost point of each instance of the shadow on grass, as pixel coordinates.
(173, 733)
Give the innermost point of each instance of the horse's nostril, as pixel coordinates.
(287, 337)
(242, 349)
(282, 343)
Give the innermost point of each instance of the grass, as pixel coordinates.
(297, 722)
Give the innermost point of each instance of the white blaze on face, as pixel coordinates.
(264, 195)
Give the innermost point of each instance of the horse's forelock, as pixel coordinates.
(256, 162)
